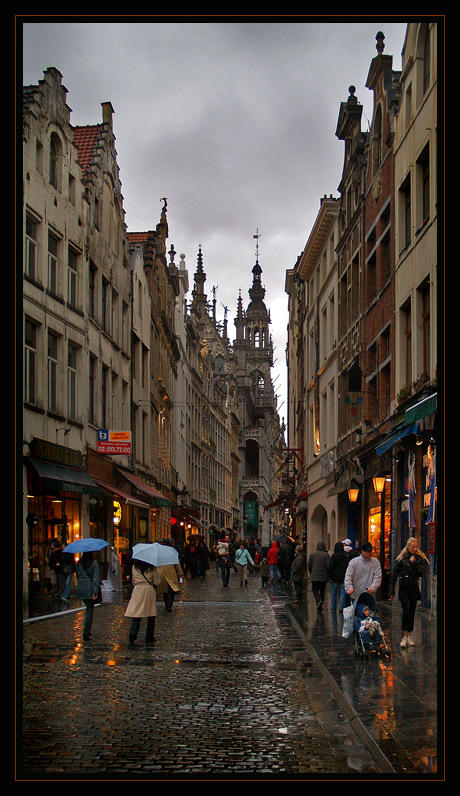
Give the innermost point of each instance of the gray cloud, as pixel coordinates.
(233, 121)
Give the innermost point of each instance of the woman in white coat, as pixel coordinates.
(143, 602)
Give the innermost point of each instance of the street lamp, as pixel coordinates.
(379, 483)
(353, 491)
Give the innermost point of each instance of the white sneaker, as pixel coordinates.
(403, 642)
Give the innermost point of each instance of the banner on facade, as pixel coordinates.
(113, 442)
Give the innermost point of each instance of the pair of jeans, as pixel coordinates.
(338, 590)
(225, 571)
(149, 631)
(274, 573)
(65, 580)
(88, 622)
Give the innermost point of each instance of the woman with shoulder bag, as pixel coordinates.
(143, 602)
(409, 566)
(171, 575)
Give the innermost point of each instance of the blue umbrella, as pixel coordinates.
(86, 545)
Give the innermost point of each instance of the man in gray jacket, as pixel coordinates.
(363, 573)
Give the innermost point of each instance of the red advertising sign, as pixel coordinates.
(113, 442)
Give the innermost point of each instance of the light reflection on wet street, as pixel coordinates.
(240, 683)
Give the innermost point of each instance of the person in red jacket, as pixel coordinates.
(272, 558)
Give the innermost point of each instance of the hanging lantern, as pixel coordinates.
(353, 491)
(379, 483)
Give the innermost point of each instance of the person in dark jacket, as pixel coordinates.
(337, 568)
(285, 558)
(409, 567)
(318, 567)
(298, 568)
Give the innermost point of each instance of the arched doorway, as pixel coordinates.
(319, 530)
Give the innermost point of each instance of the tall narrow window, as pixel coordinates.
(426, 188)
(92, 291)
(426, 330)
(31, 248)
(408, 344)
(105, 395)
(405, 214)
(53, 265)
(92, 390)
(426, 61)
(30, 363)
(54, 168)
(72, 274)
(52, 372)
(104, 300)
(72, 381)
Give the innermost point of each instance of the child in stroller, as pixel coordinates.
(368, 635)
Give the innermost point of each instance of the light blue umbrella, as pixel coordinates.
(86, 545)
(158, 555)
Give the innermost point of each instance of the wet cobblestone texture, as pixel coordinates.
(240, 684)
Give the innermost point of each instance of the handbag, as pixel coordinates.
(347, 627)
(99, 595)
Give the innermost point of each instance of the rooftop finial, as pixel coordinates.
(380, 46)
(257, 236)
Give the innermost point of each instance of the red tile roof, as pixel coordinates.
(138, 237)
(85, 139)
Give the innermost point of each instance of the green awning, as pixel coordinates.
(53, 476)
(427, 406)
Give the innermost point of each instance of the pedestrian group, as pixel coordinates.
(350, 573)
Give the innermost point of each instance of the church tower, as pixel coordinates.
(253, 355)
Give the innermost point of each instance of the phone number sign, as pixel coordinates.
(113, 441)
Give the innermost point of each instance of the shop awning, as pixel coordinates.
(400, 432)
(63, 478)
(153, 493)
(427, 406)
(279, 501)
(124, 496)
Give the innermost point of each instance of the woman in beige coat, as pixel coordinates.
(169, 585)
(143, 602)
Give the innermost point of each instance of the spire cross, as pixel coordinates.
(257, 236)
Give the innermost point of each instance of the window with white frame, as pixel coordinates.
(53, 264)
(31, 248)
(72, 277)
(30, 362)
(72, 381)
(53, 372)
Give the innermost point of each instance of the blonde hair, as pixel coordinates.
(406, 550)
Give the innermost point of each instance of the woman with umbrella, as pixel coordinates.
(88, 580)
(145, 580)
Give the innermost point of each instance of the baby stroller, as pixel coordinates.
(369, 638)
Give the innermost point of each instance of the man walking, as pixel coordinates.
(363, 573)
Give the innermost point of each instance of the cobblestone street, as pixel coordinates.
(232, 689)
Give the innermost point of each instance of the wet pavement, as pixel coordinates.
(241, 684)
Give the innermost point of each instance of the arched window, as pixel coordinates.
(377, 139)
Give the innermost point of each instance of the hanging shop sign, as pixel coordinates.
(113, 441)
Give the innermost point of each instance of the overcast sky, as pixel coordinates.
(233, 122)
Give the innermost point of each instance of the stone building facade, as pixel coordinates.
(386, 357)
(77, 320)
